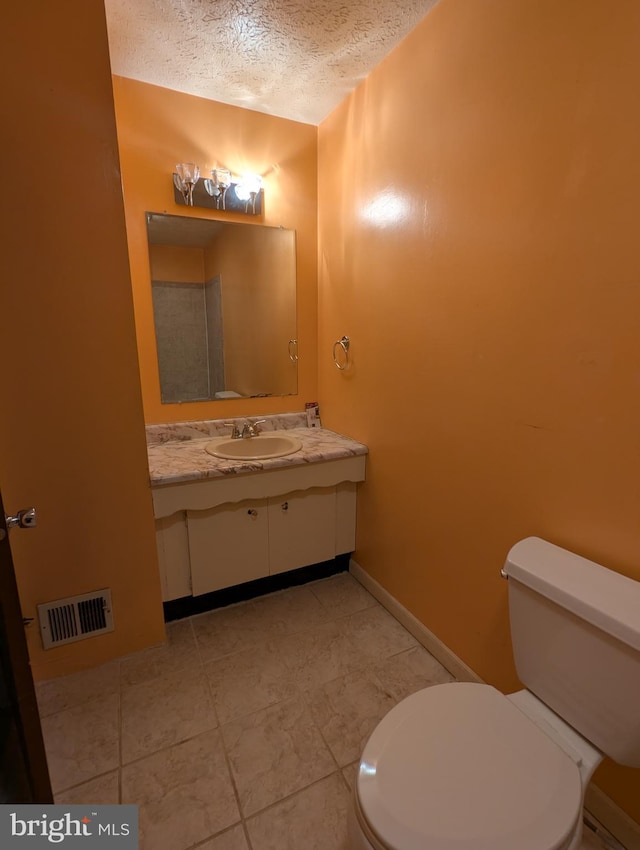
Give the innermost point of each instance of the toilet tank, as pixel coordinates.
(575, 630)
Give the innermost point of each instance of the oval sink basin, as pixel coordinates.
(254, 448)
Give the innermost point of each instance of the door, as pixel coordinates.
(24, 777)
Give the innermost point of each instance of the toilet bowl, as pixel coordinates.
(461, 766)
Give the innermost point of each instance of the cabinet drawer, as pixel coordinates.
(302, 529)
(228, 545)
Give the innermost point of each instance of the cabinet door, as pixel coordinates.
(173, 556)
(228, 545)
(302, 529)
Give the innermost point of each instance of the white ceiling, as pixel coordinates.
(292, 58)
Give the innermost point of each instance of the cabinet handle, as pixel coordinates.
(285, 506)
(252, 512)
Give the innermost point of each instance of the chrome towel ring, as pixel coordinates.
(341, 344)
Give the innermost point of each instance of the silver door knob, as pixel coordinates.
(23, 519)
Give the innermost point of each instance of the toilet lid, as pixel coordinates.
(459, 767)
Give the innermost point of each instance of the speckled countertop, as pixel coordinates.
(177, 453)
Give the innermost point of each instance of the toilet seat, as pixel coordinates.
(460, 767)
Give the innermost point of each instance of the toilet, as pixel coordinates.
(463, 767)
(226, 394)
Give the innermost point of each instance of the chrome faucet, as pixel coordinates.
(248, 429)
(235, 431)
(251, 430)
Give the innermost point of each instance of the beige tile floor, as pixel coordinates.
(244, 730)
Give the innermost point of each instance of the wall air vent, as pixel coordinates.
(75, 618)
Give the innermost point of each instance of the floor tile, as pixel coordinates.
(164, 711)
(313, 819)
(410, 671)
(375, 633)
(103, 790)
(82, 742)
(179, 652)
(69, 691)
(342, 594)
(274, 753)
(185, 793)
(249, 681)
(321, 654)
(290, 611)
(232, 839)
(228, 630)
(298, 679)
(350, 772)
(347, 711)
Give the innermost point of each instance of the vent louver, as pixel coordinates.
(75, 618)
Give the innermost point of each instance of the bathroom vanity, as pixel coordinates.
(222, 522)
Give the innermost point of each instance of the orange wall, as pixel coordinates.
(176, 264)
(478, 241)
(72, 437)
(158, 127)
(259, 318)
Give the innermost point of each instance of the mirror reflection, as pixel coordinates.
(224, 306)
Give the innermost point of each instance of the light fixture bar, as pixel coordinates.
(215, 194)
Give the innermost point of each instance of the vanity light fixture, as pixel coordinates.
(185, 178)
(214, 192)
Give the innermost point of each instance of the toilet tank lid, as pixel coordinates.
(602, 597)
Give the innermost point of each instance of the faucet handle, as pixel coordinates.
(235, 431)
(254, 427)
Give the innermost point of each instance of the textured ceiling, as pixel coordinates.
(292, 58)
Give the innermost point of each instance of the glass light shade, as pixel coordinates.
(188, 172)
(222, 177)
(253, 182)
(217, 185)
(249, 186)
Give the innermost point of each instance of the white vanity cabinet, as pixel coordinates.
(217, 533)
(232, 544)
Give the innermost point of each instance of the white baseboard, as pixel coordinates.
(618, 823)
(421, 633)
(603, 809)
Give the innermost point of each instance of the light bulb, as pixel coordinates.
(249, 186)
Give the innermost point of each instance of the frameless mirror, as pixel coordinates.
(224, 306)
